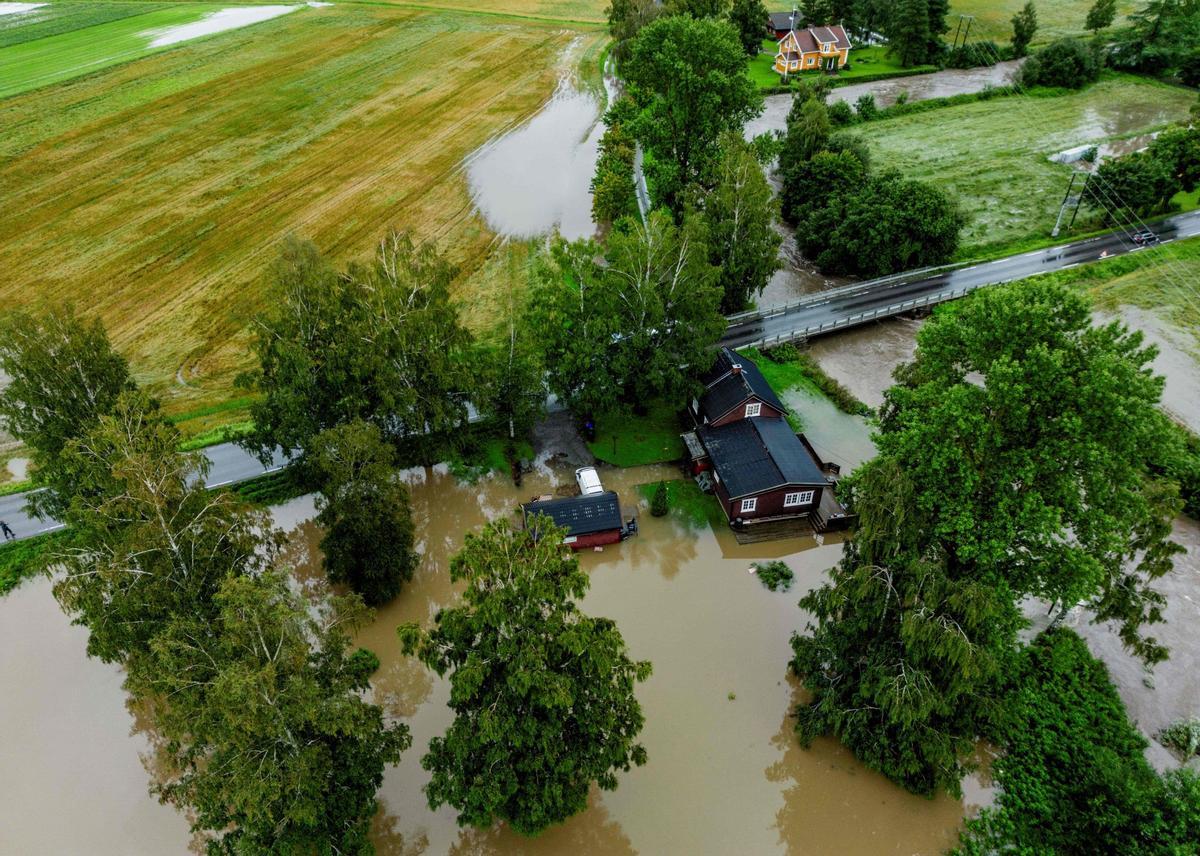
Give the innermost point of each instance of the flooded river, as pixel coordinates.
(725, 774)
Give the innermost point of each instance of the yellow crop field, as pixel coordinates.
(155, 193)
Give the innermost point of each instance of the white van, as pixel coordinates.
(588, 480)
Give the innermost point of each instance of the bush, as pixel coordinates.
(1068, 63)
(841, 114)
(1182, 736)
(785, 353)
(1189, 68)
(977, 54)
(866, 107)
(658, 503)
(776, 575)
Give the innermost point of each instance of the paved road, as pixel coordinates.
(230, 464)
(837, 309)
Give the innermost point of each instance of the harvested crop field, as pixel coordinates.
(1058, 18)
(993, 155)
(156, 192)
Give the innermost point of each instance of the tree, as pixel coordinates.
(510, 389)
(808, 130)
(937, 11)
(888, 224)
(910, 35)
(749, 17)
(64, 376)
(1067, 62)
(817, 13)
(626, 19)
(634, 328)
(273, 747)
(150, 542)
(1101, 15)
(381, 342)
(1159, 36)
(1138, 183)
(688, 79)
(1189, 68)
(1024, 25)
(1014, 461)
(364, 508)
(543, 695)
(614, 194)
(816, 182)
(1178, 149)
(739, 218)
(659, 502)
(697, 8)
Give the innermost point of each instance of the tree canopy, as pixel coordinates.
(64, 376)
(1015, 459)
(364, 508)
(1069, 63)
(1101, 15)
(381, 342)
(1024, 25)
(633, 326)
(749, 17)
(689, 81)
(543, 694)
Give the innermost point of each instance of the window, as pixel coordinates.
(753, 409)
(803, 497)
(749, 505)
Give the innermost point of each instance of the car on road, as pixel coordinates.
(1145, 238)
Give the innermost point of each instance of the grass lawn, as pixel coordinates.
(19, 560)
(688, 503)
(1058, 18)
(634, 441)
(993, 155)
(873, 62)
(156, 192)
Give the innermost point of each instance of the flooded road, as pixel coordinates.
(725, 774)
(938, 84)
(537, 177)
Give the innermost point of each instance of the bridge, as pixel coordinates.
(837, 309)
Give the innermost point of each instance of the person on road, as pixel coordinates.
(9, 535)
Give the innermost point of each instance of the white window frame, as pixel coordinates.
(753, 408)
(749, 504)
(800, 497)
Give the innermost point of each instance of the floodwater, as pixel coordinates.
(864, 358)
(836, 436)
(937, 84)
(537, 177)
(725, 774)
(797, 276)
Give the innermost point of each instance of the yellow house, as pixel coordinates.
(826, 48)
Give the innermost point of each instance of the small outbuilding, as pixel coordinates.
(593, 520)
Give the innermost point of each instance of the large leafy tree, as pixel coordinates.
(1101, 15)
(689, 81)
(149, 542)
(808, 133)
(890, 224)
(626, 19)
(1015, 460)
(697, 8)
(365, 510)
(543, 694)
(1139, 183)
(510, 388)
(64, 376)
(739, 216)
(750, 19)
(633, 326)
(274, 748)
(381, 342)
(1024, 24)
(909, 34)
(815, 183)
(1160, 35)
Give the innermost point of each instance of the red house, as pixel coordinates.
(591, 521)
(761, 470)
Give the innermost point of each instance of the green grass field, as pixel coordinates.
(993, 155)
(155, 192)
(64, 17)
(1056, 18)
(634, 441)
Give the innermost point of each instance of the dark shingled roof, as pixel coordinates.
(581, 515)
(783, 20)
(759, 454)
(726, 390)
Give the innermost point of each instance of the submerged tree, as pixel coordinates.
(364, 508)
(63, 377)
(275, 748)
(1015, 460)
(543, 694)
(381, 342)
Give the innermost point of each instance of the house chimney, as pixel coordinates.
(736, 369)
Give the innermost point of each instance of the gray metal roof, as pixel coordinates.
(759, 454)
(581, 515)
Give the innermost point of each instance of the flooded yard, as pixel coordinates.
(725, 774)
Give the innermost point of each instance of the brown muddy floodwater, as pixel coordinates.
(724, 776)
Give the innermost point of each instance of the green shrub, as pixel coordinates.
(658, 503)
(865, 107)
(776, 575)
(1182, 736)
(841, 114)
(1068, 62)
(785, 353)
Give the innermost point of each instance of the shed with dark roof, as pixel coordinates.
(590, 521)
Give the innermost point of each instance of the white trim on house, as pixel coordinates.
(753, 408)
(749, 504)
(802, 497)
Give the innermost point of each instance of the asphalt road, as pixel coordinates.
(230, 464)
(862, 302)
(874, 299)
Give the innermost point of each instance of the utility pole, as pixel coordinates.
(1083, 190)
(1062, 207)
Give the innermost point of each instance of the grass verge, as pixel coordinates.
(624, 440)
(785, 367)
(687, 503)
(20, 560)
